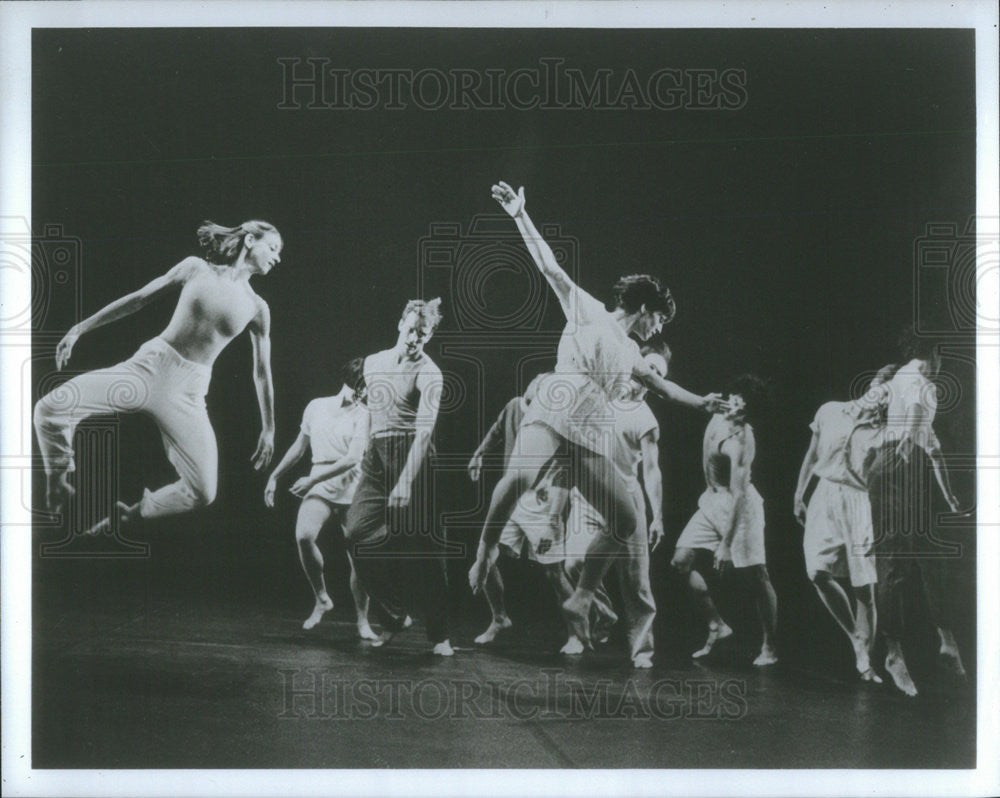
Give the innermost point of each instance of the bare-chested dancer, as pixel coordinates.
(729, 522)
(168, 377)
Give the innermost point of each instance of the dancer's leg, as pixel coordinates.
(494, 595)
(766, 602)
(865, 621)
(313, 515)
(683, 562)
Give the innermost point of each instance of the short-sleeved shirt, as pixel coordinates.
(331, 426)
(594, 368)
(907, 389)
(842, 443)
(393, 393)
(633, 421)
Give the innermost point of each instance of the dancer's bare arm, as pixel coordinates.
(295, 452)
(710, 403)
(739, 479)
(805, 472)
(128, 305)
(652, 481)
(492, 441)
(941, 472)
(354, 454)
(541, 252)
(260, 337)
(431, 385)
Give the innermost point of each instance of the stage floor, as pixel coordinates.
(183, 683)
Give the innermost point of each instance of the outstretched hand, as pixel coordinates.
(65, 348)
(510, 201)
(714, 403)
(475, 467)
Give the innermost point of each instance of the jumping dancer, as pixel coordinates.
(729, 522)
(596, 361)
(335, 429)
(395, 553)
(899, 492)
(838, 522)
(168, 377)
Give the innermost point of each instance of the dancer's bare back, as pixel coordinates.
(214, 307)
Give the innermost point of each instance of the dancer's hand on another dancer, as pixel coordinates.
(265, 449)
(301, 487)
(400, 496)
(714, 403)
(65, 347)
(510, 201)
(723, 559)
(475, 467)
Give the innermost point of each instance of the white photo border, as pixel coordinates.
(16, 21)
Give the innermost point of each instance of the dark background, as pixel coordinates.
(786, 231)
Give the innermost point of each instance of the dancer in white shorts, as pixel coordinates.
(838, 541)
(537, 527)
(596, 361)
(335, 429)
(638, 435)
(729, 522)
(168, 377)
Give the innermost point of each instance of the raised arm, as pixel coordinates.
(711, 403)
(805, 472)
(652, 482)
(292, 456)
(540, 251)
(126, 305)
(431, 384)
(260, 338)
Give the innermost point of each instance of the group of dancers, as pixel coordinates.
(570, 498)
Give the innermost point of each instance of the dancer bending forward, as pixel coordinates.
(335, 428)
(168, 377)
(729, 522)
(574, 413)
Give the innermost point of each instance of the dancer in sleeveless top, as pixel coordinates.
(729, 522)
(168, 377)
(838, 521)
(389, 533)
(573, 410)
(335, 429)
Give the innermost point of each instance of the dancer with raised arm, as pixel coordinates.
(596, 362)
(168, 377)
(902, 516)
(335, 429)
(396, 553)
(838, 521)
(729, 523)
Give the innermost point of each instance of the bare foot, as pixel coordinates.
(444, 649)
(384, 638)
(576, 611)
(103, 527)
(767, 656)
(951, 661)
(407, 622)
(495, 628)
(365, 631)
(716, 632)
(572, 646)
(58, 492)
(643, 661)
(861, 660)
(896, 667)
(323, 606)
(870, 676)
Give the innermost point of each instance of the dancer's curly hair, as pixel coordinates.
(635, 290)
(429, 311)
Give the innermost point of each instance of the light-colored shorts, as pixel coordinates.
(707, 526)
(838, 537)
